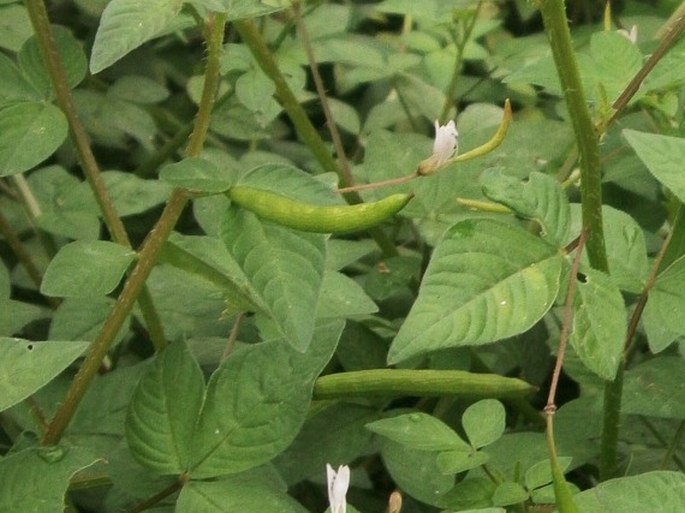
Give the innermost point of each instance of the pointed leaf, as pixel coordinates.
(656, 388)
(285, 267)
(419, 431)
(197, 174)
(27, 366)
(162, 415)
(599, 323)
(235, 494)
(127, 24)
(539, 198)
(486, 280)
(29, 133)
(663, 156)
(86, 268)
(662, 317)
(36, 480)
(656, 492)
(256, 402)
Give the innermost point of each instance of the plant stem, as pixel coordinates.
(556, 26)
(252, 38)
(345, 172)
(587, 139)
(48, 48)
(20, 251)
(671, 31)
(451, 92)
(150, 249)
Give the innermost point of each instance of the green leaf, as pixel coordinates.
(68, 207)
(132, 195)
(138, 89)
(255, 90)
(656, 388)
(540, 474)
(15, 26)
(197, 174)
(663, 156)
(16, 314)
(162, 415)
(292, 183)
(418, 431)
(416, 472)
(255, 404)
(208, 258)
(239, 9)
(484, 422)
(37, 479)
(72, 57)
(236, 493)
(127, 24)
(14, 87)
(656, 492)
(486, 280)
(29, 134)
(82, 319)
(509, 493)
(285, 267)
(662, 317)
(342, 297)
(86, 268)
(539, 198)
(613, 60)
(456, 461)
(599, 323)
(333, 432)
(27, 366)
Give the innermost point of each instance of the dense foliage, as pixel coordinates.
(438, 241)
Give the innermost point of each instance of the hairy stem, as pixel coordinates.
(48, 48)
(587, 139)
(150, 249)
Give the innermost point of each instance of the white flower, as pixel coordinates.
(630, 36)
(445, 144)
(444, 147)
(338, 482)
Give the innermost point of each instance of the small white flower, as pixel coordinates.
(630, 36)
(444, 147)
(445, 144)
(338, 482)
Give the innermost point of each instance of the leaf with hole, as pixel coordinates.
(26, 366)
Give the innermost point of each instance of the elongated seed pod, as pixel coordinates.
(316, 218)
(420, 383)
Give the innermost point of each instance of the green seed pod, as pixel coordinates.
(316, 218)
(418, 382)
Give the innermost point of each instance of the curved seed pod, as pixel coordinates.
(420, 383)
(316, 218)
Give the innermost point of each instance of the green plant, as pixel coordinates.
(216, 290)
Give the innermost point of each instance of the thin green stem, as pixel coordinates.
(252, 38)
(46, 42)
(451, 92)
(345, 171)
(20, 251)
(150, 250)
